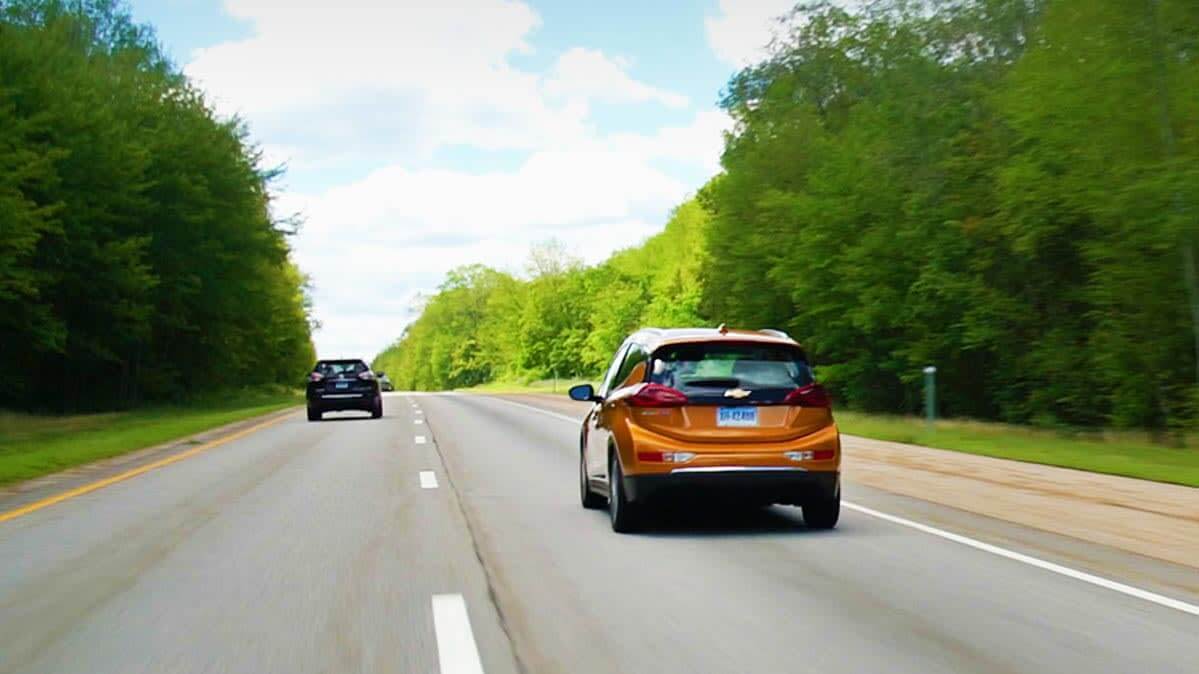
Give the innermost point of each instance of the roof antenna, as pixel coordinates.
(723, 329)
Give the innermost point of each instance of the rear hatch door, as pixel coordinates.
(735, 393)
(341, 377)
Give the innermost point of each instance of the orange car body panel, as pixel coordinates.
(693, 428)
(632, 439)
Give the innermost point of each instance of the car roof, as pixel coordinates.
(652, 338)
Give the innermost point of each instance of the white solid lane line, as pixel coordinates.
(420, 439)
(1129, 590)
(428, 479)
(418, 421)
(456, 649)
(1099, 581)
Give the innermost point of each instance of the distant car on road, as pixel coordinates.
(717, 413)
(338, 385)
(384, 382)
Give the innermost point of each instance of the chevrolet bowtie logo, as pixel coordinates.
(737, 393)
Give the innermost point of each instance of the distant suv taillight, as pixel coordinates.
(657, 395)
(315, 377)
(812, 395)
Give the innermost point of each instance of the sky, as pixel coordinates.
(421, 136)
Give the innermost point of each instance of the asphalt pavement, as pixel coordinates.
(447, 537)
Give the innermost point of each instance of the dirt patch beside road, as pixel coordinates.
(1147, 518)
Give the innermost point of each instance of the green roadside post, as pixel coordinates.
(930, 395)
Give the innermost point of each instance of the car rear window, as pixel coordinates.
(332, 368)
(708, 370)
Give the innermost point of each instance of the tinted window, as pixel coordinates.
(635, 356)
(768, 371)
(332, 368)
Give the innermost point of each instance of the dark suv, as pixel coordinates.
(337, 385)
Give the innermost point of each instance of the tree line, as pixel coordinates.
(139, 258)
(1006, 189)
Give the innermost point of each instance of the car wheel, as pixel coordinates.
(377, 410)
(823, 514)
(625, 514)
(591, 500)
(314, 414)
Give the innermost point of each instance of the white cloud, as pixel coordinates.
(401, 228)
(588, 74)
(740, 33)
(551, 189)
(304, 52)
(406, 77)
(376, 84)
(698, 143)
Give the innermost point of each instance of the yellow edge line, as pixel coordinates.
(100, 484)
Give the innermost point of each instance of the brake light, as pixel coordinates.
(666, 457)
(812, 395)
(315, 376)
(366, 376)
(657, 395)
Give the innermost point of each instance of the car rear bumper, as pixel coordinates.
(342, 401)
(750, 484)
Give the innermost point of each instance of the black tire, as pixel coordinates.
(314, 414)
(377, 410)
(823, 514)
(625, 515)
(590, 499)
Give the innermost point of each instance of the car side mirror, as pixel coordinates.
(584, 393)
(380, 374)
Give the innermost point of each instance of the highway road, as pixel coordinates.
(447, 537)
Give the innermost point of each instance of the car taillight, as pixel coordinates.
(812, 395)
(666, 457)
(366, 376)
(657, 395)
(316, 376)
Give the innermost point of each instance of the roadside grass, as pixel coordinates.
(1126, 453)
(35, 445)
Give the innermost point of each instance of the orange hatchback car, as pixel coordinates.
(714, 413)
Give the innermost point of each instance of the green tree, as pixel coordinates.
(140, 258)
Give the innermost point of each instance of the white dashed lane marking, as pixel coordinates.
(456, 649)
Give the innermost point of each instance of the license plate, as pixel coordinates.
(341, 385)
(737, 416)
